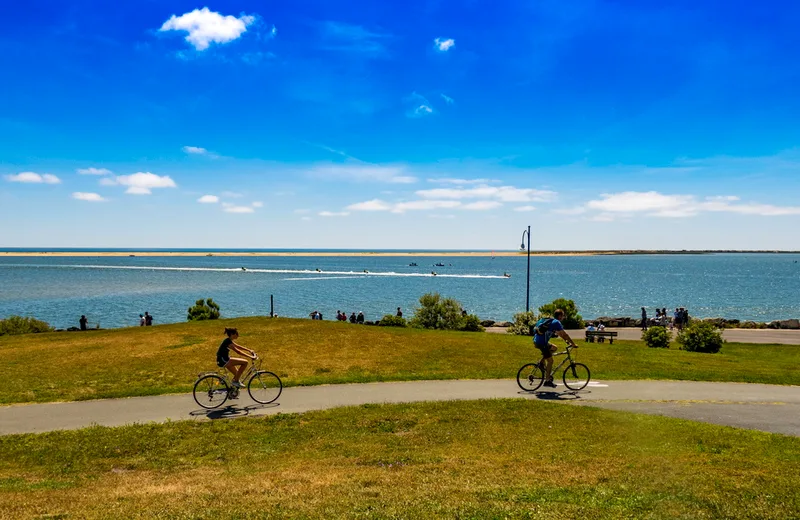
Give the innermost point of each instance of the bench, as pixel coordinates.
(600, 336)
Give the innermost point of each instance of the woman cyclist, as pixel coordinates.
(235, 366)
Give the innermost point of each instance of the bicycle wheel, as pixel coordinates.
(210, 391)
(264, 387)
(530, 377)
(576, 376)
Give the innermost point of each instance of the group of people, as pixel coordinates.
(145, 320)
(354, 318)
(679, 318)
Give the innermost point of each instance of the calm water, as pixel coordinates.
(114, 291)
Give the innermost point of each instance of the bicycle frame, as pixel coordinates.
(252, 368)
(568, 358)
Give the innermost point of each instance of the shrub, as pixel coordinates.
(440, 313)
(18, 325)
(572, 320)
(656, 337)
(207, 310)
(390, 320)
(523, 323)
(700, 336)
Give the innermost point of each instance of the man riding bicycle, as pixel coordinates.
(543, 331)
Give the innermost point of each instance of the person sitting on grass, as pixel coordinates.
(235, 366)
(543, 331)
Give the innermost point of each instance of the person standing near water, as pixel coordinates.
(141, 320)
(644, 318)
(83, 321)
(399, 313)
(148, 320)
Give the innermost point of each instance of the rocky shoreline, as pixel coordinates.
(722, 323)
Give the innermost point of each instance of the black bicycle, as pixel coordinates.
(212, 389)
(576, 375)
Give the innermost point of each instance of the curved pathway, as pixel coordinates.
(769, 408)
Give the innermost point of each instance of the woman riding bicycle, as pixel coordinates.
(235, 366)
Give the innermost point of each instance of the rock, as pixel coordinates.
(774, 325)
(505, 324)
(789, 324)
(488, 323)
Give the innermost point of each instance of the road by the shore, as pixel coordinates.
(769, 408)
(755, 336)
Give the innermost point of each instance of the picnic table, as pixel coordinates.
(600, 336)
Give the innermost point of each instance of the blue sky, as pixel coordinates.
(422, 124)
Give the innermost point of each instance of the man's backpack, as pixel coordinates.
(542, 327)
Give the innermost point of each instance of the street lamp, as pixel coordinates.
(528, 283)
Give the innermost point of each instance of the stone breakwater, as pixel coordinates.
(722, 323)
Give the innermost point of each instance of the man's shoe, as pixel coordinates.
(237, 384)
(550, 384)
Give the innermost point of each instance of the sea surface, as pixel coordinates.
(113, 291)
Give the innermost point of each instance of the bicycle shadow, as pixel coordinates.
(231, 411)
(549, 395)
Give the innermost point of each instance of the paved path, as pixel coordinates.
(758, 336)
(762, 407)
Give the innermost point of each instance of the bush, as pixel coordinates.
(700, 336)
(14, 325)
(523, 323)
(440, 313)
(572, 320)
(391, 320)
(207, 310)
(656, 337)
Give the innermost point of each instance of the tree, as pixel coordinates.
(572, 320)
(207, 310)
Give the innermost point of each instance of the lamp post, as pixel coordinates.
(528, 282)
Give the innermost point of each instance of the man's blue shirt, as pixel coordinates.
(541, 340)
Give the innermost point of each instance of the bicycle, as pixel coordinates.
(576, 375)
(212, 389)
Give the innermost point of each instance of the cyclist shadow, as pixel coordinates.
(548, 395)
(232, 411)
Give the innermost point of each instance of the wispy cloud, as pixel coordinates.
(33, 178)
(525, 208)
(482, 205)
(231, 194)
(418, 106)
(93, 171)
(444, 44)
(448, 99)
(448, 180)
(140, 183)
(402, 207)
(333, 213)
(500, 193)
(340, 36)
(233, 208)
(257, 204)
(208, 199)
(363, 172)
(198, 150)
(89, 197)
(205, 27)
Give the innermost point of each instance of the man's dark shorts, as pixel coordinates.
(547, 351)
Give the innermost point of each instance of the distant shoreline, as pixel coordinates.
(333, 253)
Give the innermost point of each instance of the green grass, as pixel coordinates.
(478, 459)
(166, 359)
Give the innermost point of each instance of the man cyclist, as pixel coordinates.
(543, 331)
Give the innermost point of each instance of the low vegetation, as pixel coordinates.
(167, 358)
(476, 459)
(436, 312)
(391, 320)
(700, 336)
(656, 337)
(204, 310)
(524, 321)
(14, 325)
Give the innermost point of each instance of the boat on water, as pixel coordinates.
(412, 264)
(439, 264)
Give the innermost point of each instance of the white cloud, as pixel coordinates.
(525, 208)
(656, 204)
(370, 205)
(333, 214)
(93, 171)
(273, 32)
(419, 106)
(444, 44)
(501, 193)
(90, 197)
(448, 99)
(208, 199)
(257, 204)
(232, 208)
(482, 205)
(140, 183)
(363, 172)
(34, 178)
(421, 111)
(415, 205)
(194, 150)
(448, 180)
(206, 27)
